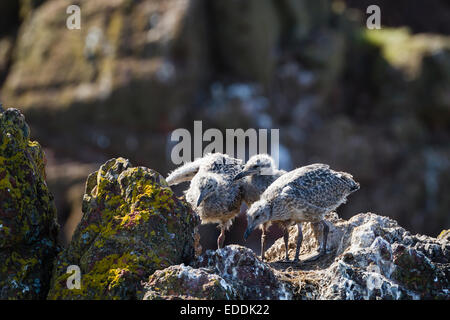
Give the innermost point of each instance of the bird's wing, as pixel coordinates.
(322, 187)
(298, 200)
(310, 176)
(184, 173)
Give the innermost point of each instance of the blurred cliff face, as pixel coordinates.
(375, 103)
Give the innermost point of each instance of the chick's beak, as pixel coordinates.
(248, 231)
(201, 197)
(245, 173)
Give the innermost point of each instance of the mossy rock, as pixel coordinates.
(28, 228)
(132, 225)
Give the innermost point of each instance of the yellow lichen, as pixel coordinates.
(403, 50)
(126, 209)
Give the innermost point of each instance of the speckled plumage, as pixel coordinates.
(212, 193)
(212, 162)
(305, 194)
(223, 202)
(259, 173)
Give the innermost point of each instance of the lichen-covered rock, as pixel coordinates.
(370, 257)
(28, 228)
(185, 282)
(132, 225)
(251, 278)
(444, 235)
(124, 52)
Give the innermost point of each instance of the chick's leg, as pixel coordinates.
(299, 241)
(221, 238)
(323, 245)
(286, 243)
(325, 230)
(263, 241)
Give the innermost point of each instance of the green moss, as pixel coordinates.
(403, 50)
(444, 233)
(106, 274)
(132, 225)
(27, 213)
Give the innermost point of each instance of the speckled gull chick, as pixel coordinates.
(212, 192)
(258, 174)
(305, 194)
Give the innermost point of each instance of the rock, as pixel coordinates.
(27, 7)
(370, 257)
(233, 272)
(185, 282)
(149, 56)
(445, 235)
(434, 78)
(28, 228)
(247, 47)
(392, 41)
(251, 278)
(102, 67)
(132, 225)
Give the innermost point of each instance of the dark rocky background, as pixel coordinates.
(373, 103)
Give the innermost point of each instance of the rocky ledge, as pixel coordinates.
(137, 240)
(369, 257)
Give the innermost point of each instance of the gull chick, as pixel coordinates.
(258, 174)
(212, 192)
(216, 199)
(305, 194)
